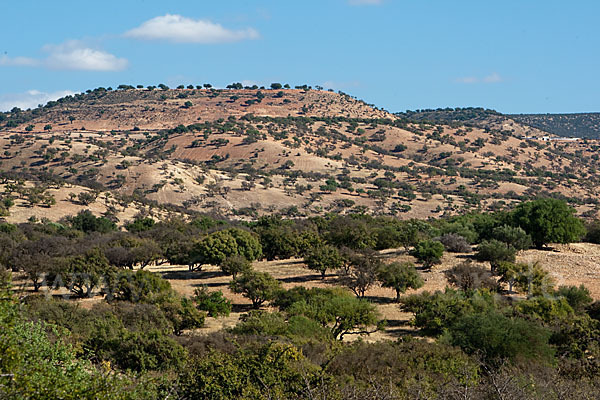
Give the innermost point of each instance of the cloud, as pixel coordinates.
(494, 77)
(365, 2)
(180, 29)
(18, 61)
(70, 55)
(75, 55)
(30, 99)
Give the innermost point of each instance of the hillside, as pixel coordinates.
(581, 125)
(243, 153)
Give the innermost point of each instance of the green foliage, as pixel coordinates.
(437, 311)
(323, 257)
(214, 303)
(468, 277)
(81, 274)
(274, 370)
(548, 221)
(400, 277)
(428, 252)
(234, 265)
(495, 252)
(38, 365)
(86, 221)
(514, 237)
(527, 278)
(496, 337)
(216, 247)
(146, 287)
(579, 298)
(341, 312)
(259, 287)
(262, 323)
(140, 225)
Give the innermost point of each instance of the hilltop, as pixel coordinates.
(581, 125)
(242, 153)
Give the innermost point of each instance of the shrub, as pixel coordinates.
(467, 276)
(495, 252)
(259, 287)
(428, 252)
(515, 237)
(400, 277)
(323, 257)
(548, 221)
(234, 265)
(497, 337)
(454, 243)
(214, 303)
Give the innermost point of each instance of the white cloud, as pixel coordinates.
(494, 77)
(71, 55)
(365, 2)
(75, 55)
(29, 99)
(18, 61)
(177, 28)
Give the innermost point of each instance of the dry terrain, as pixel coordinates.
(573, 264)
(244, 153)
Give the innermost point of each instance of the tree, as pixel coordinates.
(342, 313)
(467, 277)
(214, 303)
(361, 272)
(495, 252)
(234, 265)
(259, 287)
(323, 257)
(81, 274)
(496, 337)
(276, 86)
(48, 127)
(528, 278)
(548, 221)
(455, 243)
(578, 297)
(514, 237)
(428, 252)
(86, 221)
(400, 277)
(216, 247)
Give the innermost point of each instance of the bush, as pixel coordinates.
(495, 252)
(467, 276)
(497, 337)
(454, 243)
(579, 298)
(428, 252)
(212, 302)
(234, 265)
(400, 277)
(323, 257)
(517, 238)
(548, 221)
(217, 246)
(259, 287)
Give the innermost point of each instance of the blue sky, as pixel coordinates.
(524, 56)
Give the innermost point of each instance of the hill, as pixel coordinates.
(581, 125)
(299, 152)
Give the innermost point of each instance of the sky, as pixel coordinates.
(525, 56)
